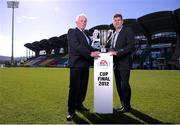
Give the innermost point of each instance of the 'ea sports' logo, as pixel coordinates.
(103, 63)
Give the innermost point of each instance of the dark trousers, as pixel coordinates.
(77, 88)
(123, 87)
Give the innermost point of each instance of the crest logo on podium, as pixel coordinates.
(103, 64)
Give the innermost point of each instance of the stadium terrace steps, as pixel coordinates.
(51, 61)
(34, 61)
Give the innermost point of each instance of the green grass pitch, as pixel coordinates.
(39, 95)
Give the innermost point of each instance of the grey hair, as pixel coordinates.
(80, 15)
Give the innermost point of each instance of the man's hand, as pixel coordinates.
(113, 53)
(95, 54)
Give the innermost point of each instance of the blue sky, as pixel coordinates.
(41, 19)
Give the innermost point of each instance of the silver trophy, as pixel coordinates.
(104, 37)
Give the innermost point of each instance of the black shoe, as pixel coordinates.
(82, 108)
(120, 108)
(124, 109)
(70, 116)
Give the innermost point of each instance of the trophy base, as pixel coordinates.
(103, 50)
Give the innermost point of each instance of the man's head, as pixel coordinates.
(81, 21)
(117, 21)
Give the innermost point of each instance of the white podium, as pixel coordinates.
(103, 84)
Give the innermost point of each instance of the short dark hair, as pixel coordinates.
(118, 15)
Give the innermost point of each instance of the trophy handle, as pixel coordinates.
(96, 33)
(111, 34)
(95, 38)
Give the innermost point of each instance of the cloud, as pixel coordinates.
(3, 38)
(40, 0)
(21, 18)
(57, 9)
(5, 45)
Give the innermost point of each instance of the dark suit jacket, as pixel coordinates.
(125, 47)
(79, 49)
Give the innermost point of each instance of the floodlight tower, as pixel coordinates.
(13, 5)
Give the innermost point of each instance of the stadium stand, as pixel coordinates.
(157, 38)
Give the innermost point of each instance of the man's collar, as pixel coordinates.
(117, 31)
(80, 29)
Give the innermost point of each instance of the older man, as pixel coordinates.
(80, 56)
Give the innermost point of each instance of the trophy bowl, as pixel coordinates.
(104, 37)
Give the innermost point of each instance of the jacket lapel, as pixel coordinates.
(87, 34)
(119, 37)
(82, 37)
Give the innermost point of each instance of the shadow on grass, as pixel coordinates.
(115, 118)
(144, 117)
